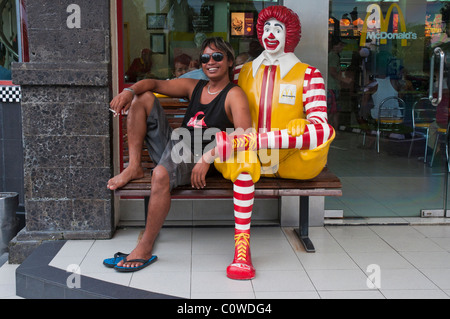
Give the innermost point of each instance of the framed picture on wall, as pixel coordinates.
(156, 21)
(158, 43)
(242, 24)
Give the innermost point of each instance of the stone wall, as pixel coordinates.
(67, 128)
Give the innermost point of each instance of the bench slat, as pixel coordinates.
(326, 184)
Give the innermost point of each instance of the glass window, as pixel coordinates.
(10, 36)
(161, 39)
(379, 58)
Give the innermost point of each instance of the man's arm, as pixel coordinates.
(181, 88)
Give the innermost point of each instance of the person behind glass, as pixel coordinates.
(376, 91)
(181, 65)
(216, 103)
(334, 81)
(140, 67)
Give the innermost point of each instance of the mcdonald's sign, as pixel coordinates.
(375, 21)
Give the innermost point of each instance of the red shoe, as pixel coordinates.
(241, 268)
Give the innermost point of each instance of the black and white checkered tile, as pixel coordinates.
(10, 94)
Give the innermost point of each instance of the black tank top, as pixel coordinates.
(204, 120)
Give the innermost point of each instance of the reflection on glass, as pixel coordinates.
(173, 29)
(381, 50)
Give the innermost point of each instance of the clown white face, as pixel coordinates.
(274, 37)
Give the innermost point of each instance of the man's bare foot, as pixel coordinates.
(126, 176)
(142, 251)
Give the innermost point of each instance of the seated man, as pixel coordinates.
(215, 104)
(284, 94)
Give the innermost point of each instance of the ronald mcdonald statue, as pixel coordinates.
(291, 135)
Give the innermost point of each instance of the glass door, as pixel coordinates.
(387, 55)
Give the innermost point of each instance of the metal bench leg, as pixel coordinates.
(303, 230)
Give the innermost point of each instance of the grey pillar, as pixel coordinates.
(67, 129)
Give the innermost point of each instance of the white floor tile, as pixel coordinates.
(278, 262)
(412, 243)
(223, 295)
(386, 260)
(175, 283)
(282, 281)
(212, 262)
(172, 262)
(8, 281)
(415, 294)
(405, 279)
(351, 294)
(444, 243)
(396, 231)
(213, 241)
(287, 295)
(7, 274)
(362, 244)
(437, 231)
(335, 280)
(217, 282)
(439, 276)
(266, 246)
(327, 261)
(428, 259)
(351, 232)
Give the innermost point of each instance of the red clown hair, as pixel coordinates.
(290, 20)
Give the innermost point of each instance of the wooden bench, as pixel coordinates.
(326, 184)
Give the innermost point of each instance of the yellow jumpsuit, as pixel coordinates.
(274, 102)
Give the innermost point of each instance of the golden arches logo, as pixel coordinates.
(375, 18)
(288, 93)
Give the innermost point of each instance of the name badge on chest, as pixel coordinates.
(288, 94)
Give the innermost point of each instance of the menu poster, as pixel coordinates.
(242, 24)
(204, 20)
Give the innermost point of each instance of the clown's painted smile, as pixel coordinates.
(274, 37)
(271, 43)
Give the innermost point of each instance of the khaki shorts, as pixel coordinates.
(164, 148)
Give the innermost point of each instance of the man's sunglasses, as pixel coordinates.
(217, 56)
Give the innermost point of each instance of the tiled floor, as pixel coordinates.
(413, 262)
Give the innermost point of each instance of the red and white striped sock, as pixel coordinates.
(244, 193)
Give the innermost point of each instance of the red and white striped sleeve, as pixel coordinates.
(236, 72)
(315, 97)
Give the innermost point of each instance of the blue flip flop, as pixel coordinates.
(145, 263)
(112, 262)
